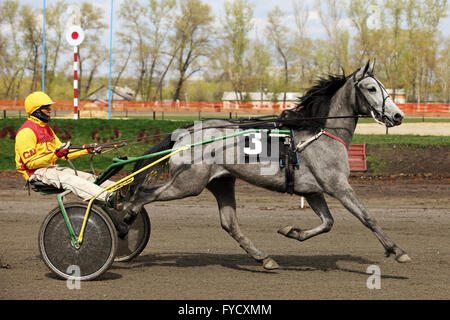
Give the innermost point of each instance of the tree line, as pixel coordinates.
(180, 50)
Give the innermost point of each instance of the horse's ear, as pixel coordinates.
(362, 71)
(366, 68)
(372, 67)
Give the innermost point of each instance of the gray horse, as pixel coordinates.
(323, 125)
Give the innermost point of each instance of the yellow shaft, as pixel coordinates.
(114, 185)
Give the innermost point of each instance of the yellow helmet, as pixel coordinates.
(36, 100)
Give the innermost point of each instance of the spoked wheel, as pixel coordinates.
(137, 238)
(94, 255)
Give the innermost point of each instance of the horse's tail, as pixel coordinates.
(165, 144)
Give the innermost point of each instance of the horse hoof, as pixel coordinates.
(285, 230)
(403, 258)
(270, 264)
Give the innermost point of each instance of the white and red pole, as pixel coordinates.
(75, 36)
(75, 83)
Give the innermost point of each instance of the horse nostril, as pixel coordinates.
(398, 117)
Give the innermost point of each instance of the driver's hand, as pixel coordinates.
(93, 148)
(63, 150)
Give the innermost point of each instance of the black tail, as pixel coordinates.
(165, 144)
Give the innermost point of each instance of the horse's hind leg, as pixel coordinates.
(181, 185)
(223, 190)
(319, 205)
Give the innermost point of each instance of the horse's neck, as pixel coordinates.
(342, 105)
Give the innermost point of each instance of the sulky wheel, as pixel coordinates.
(137, 238)
(93, 256)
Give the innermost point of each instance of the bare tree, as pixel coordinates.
(232, 49)
(393, 66)
(170, 56)
(278, 34)
(32, 39)
(123, 55)
(258, 61)
(91, 54)
(135, 30)
(193, 31)
(358, 12)
(55, 41)
(147, 29)
(330, 16)
(422, 20)
(442, 74)
(12, 63)
(303, 45)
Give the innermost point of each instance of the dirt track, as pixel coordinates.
(189, 256)
(421, 129)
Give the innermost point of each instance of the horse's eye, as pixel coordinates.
(372, 89)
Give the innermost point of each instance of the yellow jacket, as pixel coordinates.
(35, 143)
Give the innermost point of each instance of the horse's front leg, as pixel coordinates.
(223, 190)
(347, 196)
(319, 205)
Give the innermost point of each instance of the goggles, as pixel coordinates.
(47, 108)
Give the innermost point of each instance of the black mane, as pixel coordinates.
(315, 103)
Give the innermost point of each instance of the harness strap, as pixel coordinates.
(305, 143)
(289, 164)
(289, 175)
(295, 150)
(336, 138)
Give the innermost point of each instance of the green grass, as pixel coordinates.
(376, 165)
(408, 140)
(194, 116)
(81, 131)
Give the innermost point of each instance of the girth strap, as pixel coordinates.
(290, 161)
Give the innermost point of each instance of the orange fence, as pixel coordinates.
(181, 106)
(169, 106)
(425, 108)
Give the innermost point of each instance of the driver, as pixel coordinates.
(37, 148)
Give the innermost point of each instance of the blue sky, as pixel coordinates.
(261, 9)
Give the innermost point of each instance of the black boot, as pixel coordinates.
(122, 230)
(124, 225)
(113, 202)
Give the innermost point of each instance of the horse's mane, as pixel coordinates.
(315, 103)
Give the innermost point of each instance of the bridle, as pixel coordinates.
(376, 115)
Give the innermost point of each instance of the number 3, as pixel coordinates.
(255, 145)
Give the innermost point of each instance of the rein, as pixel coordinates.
(124, 143)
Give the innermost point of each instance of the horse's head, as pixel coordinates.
(373, 99)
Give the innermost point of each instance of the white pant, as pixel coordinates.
(81, 184)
